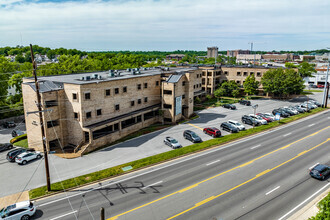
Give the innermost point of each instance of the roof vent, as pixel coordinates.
(100, 77)
(128, 69)
(88, 78)
(133, 72)
(95, 76)
(82, 78)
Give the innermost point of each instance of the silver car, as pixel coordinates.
(25, 157)
(172, 143)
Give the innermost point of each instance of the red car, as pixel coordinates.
(320, 86)
(265, 117)
(214, 132)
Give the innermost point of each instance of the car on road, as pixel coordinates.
(9, 124)
(237, 125)
(319, 171)
(19, 211)
(16, 133)
(11, 155)
(229, 106)
(249, 120)
(244, 102)
(259, 119)
(172, 143)
(229, 127)
(214, 132)
(5, 146)
(282, 113)
(27, 156)
(263, 116)
(192, 136)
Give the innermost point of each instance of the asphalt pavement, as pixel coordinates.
(260, 177)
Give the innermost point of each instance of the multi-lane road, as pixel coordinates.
(260, 177)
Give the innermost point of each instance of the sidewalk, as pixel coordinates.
(11, 199)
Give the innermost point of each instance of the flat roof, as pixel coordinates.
(104, 76)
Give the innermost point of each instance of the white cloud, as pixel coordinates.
(165, 25)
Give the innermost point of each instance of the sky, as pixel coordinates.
(166, 25)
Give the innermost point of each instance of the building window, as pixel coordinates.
(117, 107)
(51, 103)
(146, 85)
(200, 85)
(226, 73)
(251, 73)
(258, 74)
(183, 83)
(132, 103)
(168, 92)
(167, 106)
(238, 82)
(245, 74)
(74, 96)
(138, 86)
(51, 124)
(238, 73)
(183, 96)
(145, 99)
(87, 95)
(116, 90)
(75, 115)
(99, 112)
(138, 118)
(124, 89)
(88, 114)
(157, 83)
(194, 86)
(107, 92)
(139, 101)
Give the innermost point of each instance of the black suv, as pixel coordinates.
(229, 127)
(6, 146)
(191, 136)
(11, 155)
(230, 106)
(9, 124)
(244, 102)
(281, 112)
(249, 120)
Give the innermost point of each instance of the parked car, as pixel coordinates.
(229, 127)
(320, 86)
(25, 157)
(269, 115)
(263, 116)
(9, 124)
(313, 86)
(315, 103)
(292, 110)
(192, 136)
(172, 143)
(16, 133)
(289, 112)
(229, 106)
(282, 113)
(319, 171)
(259, 119)
(299, 109)
(214, 132)
(5, 146)
(18, 211)
(244, 102)
(237, 125)
(11, 155)
(249, 120)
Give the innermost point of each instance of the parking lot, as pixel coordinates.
(17, 178)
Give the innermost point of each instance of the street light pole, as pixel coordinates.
(325, 86)
(255, 108)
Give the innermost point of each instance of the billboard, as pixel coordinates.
(178, 105)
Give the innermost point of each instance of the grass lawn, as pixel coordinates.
(312, 90)
(148, 161)
(22, 143)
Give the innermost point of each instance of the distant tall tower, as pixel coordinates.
(212, 52)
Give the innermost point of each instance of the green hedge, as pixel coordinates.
(117, 170)
(324, 206)
(18, 138)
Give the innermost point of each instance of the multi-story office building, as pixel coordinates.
(212, 52)
(234, 53)
(89, 110)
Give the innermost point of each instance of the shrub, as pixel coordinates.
(18, 138)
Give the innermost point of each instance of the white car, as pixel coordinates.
(237, 125)
(18, 211)
(258, 119)
(25, 157)
(270, 115)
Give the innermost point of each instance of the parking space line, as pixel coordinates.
(195, 126)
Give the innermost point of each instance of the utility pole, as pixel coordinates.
(41, 120)
(102, 216)
(326, 85)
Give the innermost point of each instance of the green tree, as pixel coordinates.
(227, 88)
(19, 58)
(306, 70)
(251, 85)
(290, 65)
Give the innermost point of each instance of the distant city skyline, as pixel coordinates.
(147, 25)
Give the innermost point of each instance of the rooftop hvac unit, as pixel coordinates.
(133, 72)
(118, 74)
(112, 74)
(167, 68)
(88, 78)
(128, 69)
(100, 77)
(82, 78)
(116, 71)
(110, 71)
(95, 76)
(138, 72)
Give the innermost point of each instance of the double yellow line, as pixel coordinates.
(239, 166)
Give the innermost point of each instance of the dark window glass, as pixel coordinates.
(107, 92)
(183, 83)
(157, 83)
(132, 103)
(139, 86)
(125, 89)
(139, 101)
(51, 103)
(183, 96)
(145, 99)
(116, 90)
(74, 96)
(52, 123)
(146, 85)
(138, 119)
(99, 112)
(75, 115)
(117, 107)
(87, 96)
(88, 114)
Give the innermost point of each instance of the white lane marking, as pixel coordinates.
(292, 210)
(259, 145)
(212, 162)
(187, 159)
(272, 190)
(287, 134)
(152, 184)
(311, 125)
(63, 215)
